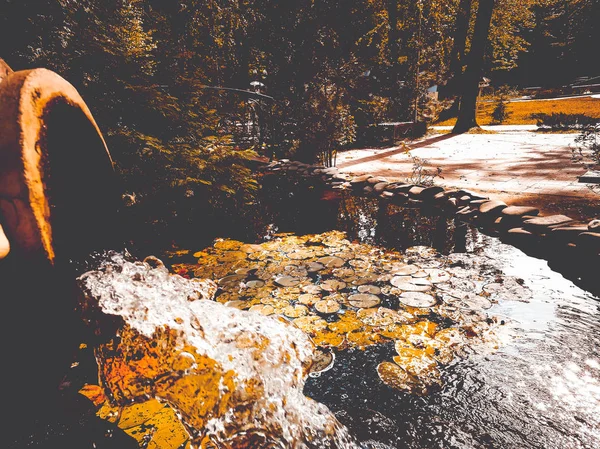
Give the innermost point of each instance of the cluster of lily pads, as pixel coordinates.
(344, 294)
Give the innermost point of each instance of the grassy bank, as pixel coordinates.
(520, 112)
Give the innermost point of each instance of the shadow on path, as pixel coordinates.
(398, 150)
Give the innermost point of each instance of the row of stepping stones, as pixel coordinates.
(518, 222)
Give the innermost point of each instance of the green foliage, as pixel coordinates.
(500, 113)
(564, 122)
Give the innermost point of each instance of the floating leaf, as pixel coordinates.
(331, 261)
(417, 299)
(363, 300)
(333, 285)
(327, 306)
(372, 289)
(438, 276)
(295, 311)
(287, 281)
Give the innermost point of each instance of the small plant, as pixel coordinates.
(587, 150)
(500, 113)
(421, 175)
(563, 122)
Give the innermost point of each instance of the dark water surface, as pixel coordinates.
(541, 389)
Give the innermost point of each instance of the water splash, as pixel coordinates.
(234, 378)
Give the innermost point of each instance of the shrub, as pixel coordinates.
(564, 122)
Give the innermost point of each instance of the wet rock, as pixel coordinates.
(492, 207)
(594, 226)
(541, 225)
(400, 198)
(387, 195)
(519, 231)
(404, 188)
(415, 192)
(519, 211)
(367, 190)
(440, 197)
(431, 192)
(380, 187)
(358, 180)
(566, 234)
(452, 204)
(464, 200)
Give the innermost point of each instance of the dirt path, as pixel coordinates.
(515, 165)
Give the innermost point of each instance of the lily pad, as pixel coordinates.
(363, 300)
(312, 288)
(231, 281)
(295, 311)
(308, 299)
(412, 287)
(264, 309)
(255, 283)
(417, 299)
(438, 276)
(327, 306)
(333, 285)
(405, 270)
(313, 267)
(331, 261)
(372, 289)
(287, 281)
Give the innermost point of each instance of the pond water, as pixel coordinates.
(430, 334)
(539, 389)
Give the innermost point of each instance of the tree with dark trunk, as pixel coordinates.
(461, 31)
(470, 85)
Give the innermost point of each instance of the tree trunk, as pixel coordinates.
(392, 10)
(470, 85)
(461, 31)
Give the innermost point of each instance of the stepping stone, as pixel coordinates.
(360, 179)
(404, 188)
(519, 211)
(452, 203)
(430, 192)
(540, 224)
(492, 207)
(380, 186)
(400, 197)
(440, 197)
(415, 191)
